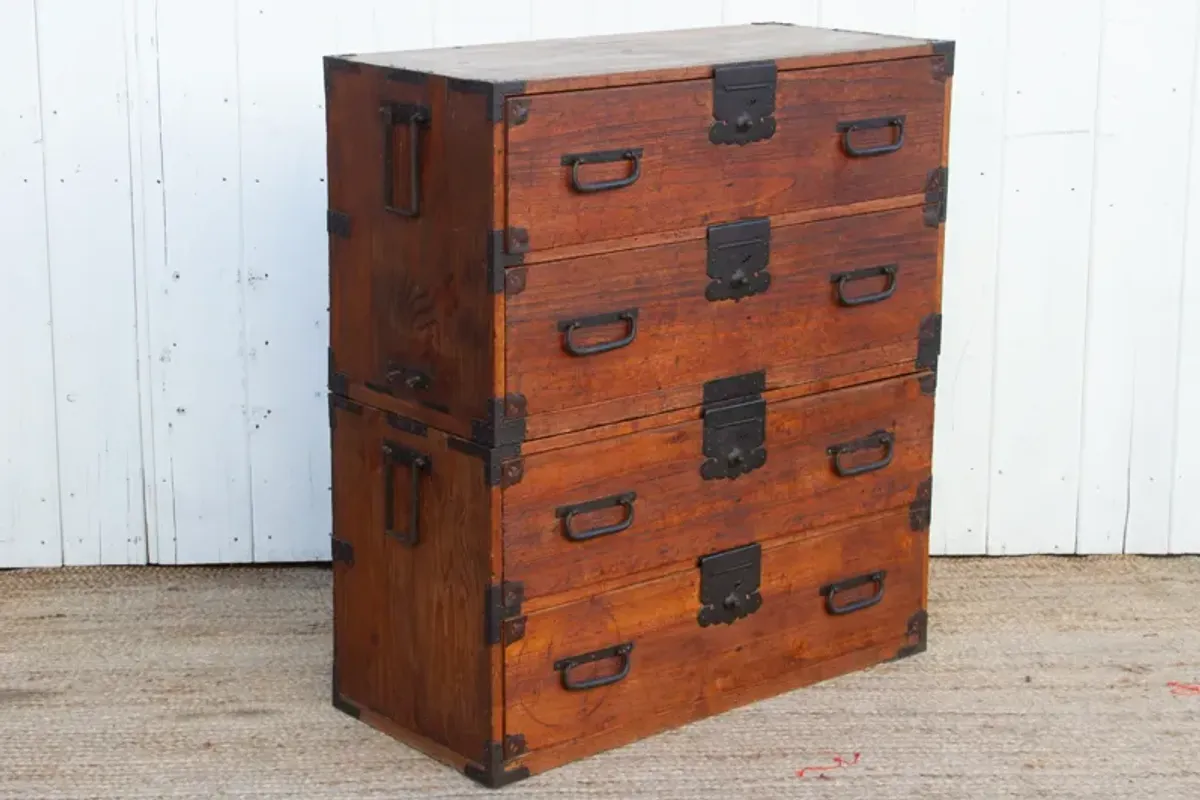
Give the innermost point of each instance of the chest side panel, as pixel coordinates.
(413, 545)
(410, 187)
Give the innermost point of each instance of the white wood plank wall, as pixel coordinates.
(162, 265)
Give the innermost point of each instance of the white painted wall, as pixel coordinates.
(163, 291)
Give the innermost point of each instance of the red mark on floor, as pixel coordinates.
(1184, 689)
(838, 763)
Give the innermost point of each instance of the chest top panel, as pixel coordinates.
(556, 59)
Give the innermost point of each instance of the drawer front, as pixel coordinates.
(607, 510)
(650, 146)
(654, 665)
(837, 297)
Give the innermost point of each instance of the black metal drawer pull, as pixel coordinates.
(830, 591)
(415, 117)
(847, 130)
(418, 463)
(568, 513)
(577, 160)
(842, 278)
(565, 666)
(884, 439)
(568, 328)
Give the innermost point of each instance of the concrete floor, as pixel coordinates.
(1045, 677)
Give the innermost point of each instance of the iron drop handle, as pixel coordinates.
(842, 278)
(418, 464)
(577, 160)
(568, 513)
(568, 328)
(829, 592)
(565, 666)
(415, 117)
(884, 439)
(847, 130)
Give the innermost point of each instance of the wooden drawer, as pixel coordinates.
(842, 135)
(622, 335)
(648, 486)
(671, 668)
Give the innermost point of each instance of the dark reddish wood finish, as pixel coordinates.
(416, 326)
(797, 330)
(451, 317)
(678, 515)
(716, 700)
(412, 293)
(398, 609)
(409, 641)
(679, 235)
(686, 180)
(680, 671)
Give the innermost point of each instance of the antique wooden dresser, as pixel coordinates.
(632, 364)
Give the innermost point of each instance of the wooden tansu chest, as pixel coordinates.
(632, 364)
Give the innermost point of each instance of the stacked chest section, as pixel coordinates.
(633, 356)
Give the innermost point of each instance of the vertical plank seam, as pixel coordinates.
(162, 171)
(133, 170)
(137, 226)
(987, 514)
(37, 49)
(247, 411)
(1088, 289)
(1188, 243)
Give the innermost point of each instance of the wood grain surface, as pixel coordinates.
(686, 180)
(797, 330)
(599, 525)
(409, 640)
(678, 515)
(553, 61)
(410, 296)
(680, 671)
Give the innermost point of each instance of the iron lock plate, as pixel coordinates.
(735, 426)
(738, 255)
(743, 103)
(729, 584)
